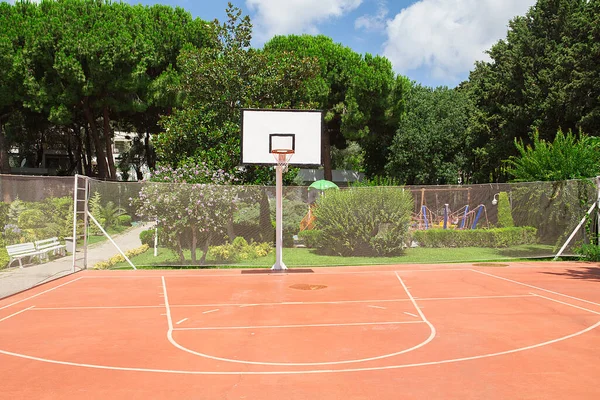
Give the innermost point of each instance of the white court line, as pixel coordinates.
(381, 308)
(39, 294)
(180, 347)
(216, 328)
(283, 303)
(412, 299)
(17, 313)
(210, 311)
(97, 308)
(411, 314)
(183, 320)
(566, 304)
(300, 372)
(536, 287)
(316, 273)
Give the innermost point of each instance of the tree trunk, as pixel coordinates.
(88, 152)
(150, 159)
(230, 230)
(266, 227)
(206, 247)
(100, 157)
(179, 249)
(4, 164)
(194, 243)
(108, 141)
(326, 154)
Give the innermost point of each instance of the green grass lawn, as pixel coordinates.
(302, 257)
(93, 239)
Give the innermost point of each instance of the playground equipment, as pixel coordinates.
(464, 218)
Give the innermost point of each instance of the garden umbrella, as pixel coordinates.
(323, 185)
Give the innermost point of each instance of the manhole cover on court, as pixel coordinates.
(490, 264)
(306, 286)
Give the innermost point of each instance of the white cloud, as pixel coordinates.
(375, 22)
(277, 17)
(448, 36)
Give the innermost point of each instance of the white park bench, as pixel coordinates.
(52, 245)
(20, 251)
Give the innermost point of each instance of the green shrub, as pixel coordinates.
(239, 250)
(311, 238)
(494, 238)
(147, 237)
(4, 258)
(364, 221)
(32, 219)
(588, 252)
(124, 220)
(505, 218)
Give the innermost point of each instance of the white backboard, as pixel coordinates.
(260, 127)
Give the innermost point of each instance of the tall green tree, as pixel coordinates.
(543, 76)
(360, 95)
(217, 82)
(432, 145)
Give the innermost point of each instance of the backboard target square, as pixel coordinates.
(267, 130)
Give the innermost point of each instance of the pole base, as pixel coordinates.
(278, 267)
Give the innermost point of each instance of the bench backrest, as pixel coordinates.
(42, 244)
(21, 248)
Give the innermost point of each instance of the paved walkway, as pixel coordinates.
(15, 279)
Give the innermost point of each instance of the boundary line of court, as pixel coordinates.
(566, 304)
(255, 275)
(286, 303)
(536, 287)
(40, 293)
(183, 348)
(17, 313)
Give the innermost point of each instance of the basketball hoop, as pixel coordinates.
(282, 157)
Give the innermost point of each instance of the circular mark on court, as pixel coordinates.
(490, 264)
(306, 286)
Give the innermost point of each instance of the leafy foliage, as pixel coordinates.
(361, 96)
(191, 204)
(567, 157)
(364, 221)
(432, 144)
(218, 82)
(540, 77)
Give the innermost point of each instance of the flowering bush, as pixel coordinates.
(192, 204)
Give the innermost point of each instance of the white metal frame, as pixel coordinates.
(596, 206)
(87, 216)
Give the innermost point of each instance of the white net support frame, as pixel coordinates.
(282, 158)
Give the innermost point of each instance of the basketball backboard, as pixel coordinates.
(266, 130)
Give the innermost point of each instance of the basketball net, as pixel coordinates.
(282, 158)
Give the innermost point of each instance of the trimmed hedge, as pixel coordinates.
(124, 220)
(495, 238)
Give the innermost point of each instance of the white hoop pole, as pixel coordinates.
(111, 240)
(279, 265)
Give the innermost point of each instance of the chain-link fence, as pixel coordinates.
(197, 225)
(36, 217)
(208, 225)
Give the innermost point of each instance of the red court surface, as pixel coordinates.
(524, 331)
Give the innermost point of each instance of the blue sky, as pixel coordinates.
(433, 42)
